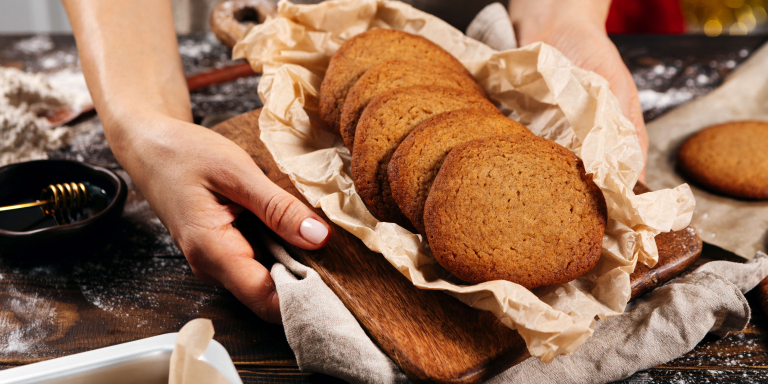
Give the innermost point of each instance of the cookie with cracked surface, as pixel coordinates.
(394, 74)
(730, 159)
(418, 158)
(519, 208)
(365, 50)
(387, 120)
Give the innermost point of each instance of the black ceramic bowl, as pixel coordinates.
(22, 181)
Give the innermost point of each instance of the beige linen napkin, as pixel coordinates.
(493, 27)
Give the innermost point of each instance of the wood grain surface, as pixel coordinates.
(54, 308)
(430, 335)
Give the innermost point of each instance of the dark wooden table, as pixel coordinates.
(137, 283)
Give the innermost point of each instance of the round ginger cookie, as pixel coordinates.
(365, 50)
(519, 208)
(394, 74)
(384, 124)
(730, 159)
(418, 158)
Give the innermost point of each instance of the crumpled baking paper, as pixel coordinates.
(736, 225)
(535, 85)
(186, 366)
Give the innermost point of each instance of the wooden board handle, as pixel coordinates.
(231, 18)
(678, 251)
(219, 76)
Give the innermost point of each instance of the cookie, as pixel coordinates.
(416, 161)
(517, 208)
(362, 52)
(394, 74)
(730, 159)
(384, 124)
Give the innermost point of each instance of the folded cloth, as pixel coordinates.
(323, 334)
(656, 328)
(492, 27)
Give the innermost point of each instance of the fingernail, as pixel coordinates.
(313, 231)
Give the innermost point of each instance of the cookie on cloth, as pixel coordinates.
(394, 74)
(387, 120)
(519, 208)
(418, 158)
(731, 159)
(365, 50)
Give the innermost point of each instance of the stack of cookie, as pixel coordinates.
(430, 152)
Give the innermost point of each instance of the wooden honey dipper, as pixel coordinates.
(57, 199)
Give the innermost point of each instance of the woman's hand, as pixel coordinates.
(198, 182)
(577, 29)
(195, 180)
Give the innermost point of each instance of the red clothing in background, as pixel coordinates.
(645, 16)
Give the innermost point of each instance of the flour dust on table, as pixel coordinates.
(25, 99)
(28, 319)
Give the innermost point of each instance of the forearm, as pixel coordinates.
(129, 55)
(195, 180)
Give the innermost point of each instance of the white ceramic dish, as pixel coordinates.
(143, 361)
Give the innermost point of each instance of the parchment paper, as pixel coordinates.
(186, 368)
(739, 226)
(536, 85)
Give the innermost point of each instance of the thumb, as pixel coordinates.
(278, 209)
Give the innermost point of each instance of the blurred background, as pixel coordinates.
(728, 17)
(707, 17)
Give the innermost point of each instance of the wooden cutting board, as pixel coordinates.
(431, 336)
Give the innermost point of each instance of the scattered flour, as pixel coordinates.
(57, 59)
(126, 288)
(71, 82)
(650, 99)
(192, 48)
(24, 322)
(36, 44)
(24, 99)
